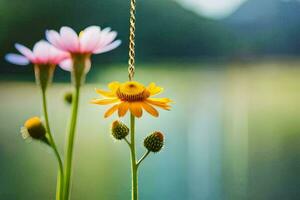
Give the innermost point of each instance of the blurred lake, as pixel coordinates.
(233, 133)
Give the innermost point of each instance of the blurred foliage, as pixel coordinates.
(266, 27)
(164, 28)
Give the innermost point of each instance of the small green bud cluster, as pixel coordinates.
(154, 142)
(68, 97)
(119, 130)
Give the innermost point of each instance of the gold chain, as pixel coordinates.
(131, 61)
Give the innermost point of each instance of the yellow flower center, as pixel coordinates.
(33, 122)
(80, 34)
(132, 91)
(35, 128)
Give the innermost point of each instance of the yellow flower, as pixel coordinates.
(132, 96)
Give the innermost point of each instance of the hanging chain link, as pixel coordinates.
(131, 62)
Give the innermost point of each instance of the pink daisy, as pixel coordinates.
(43, 53)
(91, 40)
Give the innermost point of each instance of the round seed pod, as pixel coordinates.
(119, 130)
(154, 142)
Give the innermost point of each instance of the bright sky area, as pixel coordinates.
(212, 8)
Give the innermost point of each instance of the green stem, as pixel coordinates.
(134, 166)
(70, 144)
(143, 157)
(60, 176)
(127, 142)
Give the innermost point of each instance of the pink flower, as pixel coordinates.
(91, 40)
(43, 53)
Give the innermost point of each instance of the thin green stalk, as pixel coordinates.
(70, 144)
(134, 174)
(127, 142)
(60, 176)
(143, 157)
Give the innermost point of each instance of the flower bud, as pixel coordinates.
(68, 97)
(119, 130)
(154, 142)
(35, 129)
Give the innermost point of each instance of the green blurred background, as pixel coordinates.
(231, 66)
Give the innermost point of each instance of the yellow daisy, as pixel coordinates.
(132, 96)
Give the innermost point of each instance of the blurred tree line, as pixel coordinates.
(266, 27)
(165, 30)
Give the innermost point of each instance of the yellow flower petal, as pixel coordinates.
(114, 86)
(162, 100)
(159, 104)
(136, 109)
(110, 111)
(123, 108)
(105, 101)
(150, 109)
(105, 93)
(153, 89)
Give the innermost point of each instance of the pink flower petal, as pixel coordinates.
(41, 52)
(16, 59)
(109, 47)
(104, 34)
(106, 30)
(66, 64)
(56, 56)
(54, 38)
(25, 51)
(53, 55)
(89, 39)
(70, 39)
(108, 38)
